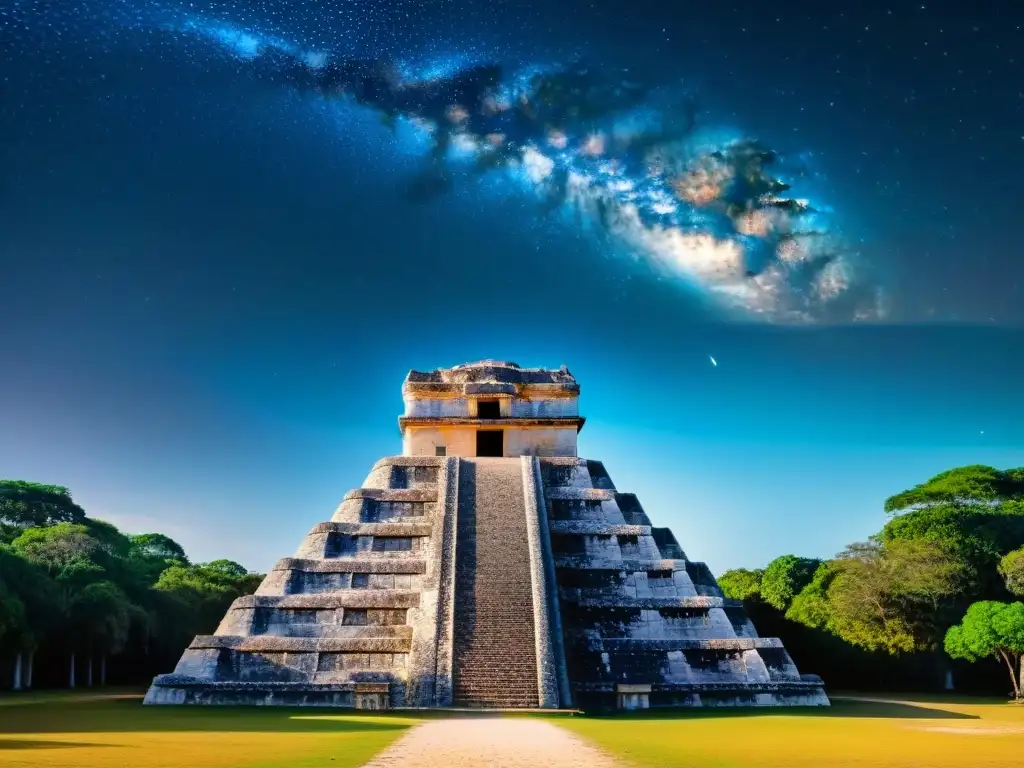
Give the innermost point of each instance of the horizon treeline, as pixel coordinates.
(82, 603)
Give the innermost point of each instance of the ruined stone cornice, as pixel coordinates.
(598, 528)
(698, 601)
(563, 461)
(740, 687)
(435, 390)
(489, 372)
(270, 644)
(410, 461)
(375, 529)
(629, 644)
(393, 494)
(346, 598)
(572, 493)
(515, 422)
(345, 565)
(186, 681)
(587, 562)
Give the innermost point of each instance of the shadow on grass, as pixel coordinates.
(849, 708)
(35, 744)
(128, 715)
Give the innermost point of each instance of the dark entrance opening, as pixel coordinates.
(490, 442)
(488, 409)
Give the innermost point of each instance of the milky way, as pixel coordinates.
(630, 162)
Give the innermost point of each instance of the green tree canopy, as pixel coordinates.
(150, 554)
(37, 594)
(811, 606)
(228, 567)
(204, 592)
(1011, 568)
(975, 484)
(157, 546)
(100, 617)
(65, 551)
(976, 512)
(114, 542)
(741, 584)
(23, 503)
(991, 628)
(891, 596)
(784, 578)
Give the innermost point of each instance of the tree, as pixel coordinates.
(157, 546)
(741, 584)
(991, 628)
(811, 606)
(100, 618)
(890, 596)
(201, 594)
(977, 512)
(1011, 568)
(74, 560)
(39, 611)
(228, 567)
(65, 551)
(784, 578)
(24, 504)
(972, 485)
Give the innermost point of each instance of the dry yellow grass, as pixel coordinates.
(852, 734)
(92, 731)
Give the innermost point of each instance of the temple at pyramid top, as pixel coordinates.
(490, 408)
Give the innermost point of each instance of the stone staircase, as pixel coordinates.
(495, 652)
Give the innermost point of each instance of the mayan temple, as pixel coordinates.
(488, 567)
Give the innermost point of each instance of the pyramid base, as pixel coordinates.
(177, 690)
(608, 696)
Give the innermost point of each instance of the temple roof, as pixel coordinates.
(490, 372)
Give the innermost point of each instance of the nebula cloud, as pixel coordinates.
(630, 161)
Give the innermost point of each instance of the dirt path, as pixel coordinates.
(490, 742)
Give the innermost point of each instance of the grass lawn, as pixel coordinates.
(926, 733)
(87, 730)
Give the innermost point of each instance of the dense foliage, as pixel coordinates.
(78, 589)
(951, 544)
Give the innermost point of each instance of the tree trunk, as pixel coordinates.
(103, 669)
(88, 670)
(1013, 672)
(16, 683)
(71, 671)
(28, 669)
(1020, 676)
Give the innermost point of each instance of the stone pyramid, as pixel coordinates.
(488, 567)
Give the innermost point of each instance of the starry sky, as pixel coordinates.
(214, 280)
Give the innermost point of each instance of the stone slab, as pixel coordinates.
(350, 598)
(351, 565)
(271, 644)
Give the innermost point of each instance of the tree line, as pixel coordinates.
(81, 602)
(919, 602)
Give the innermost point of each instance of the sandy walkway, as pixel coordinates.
(490, 742)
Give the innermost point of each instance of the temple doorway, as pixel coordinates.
(490, 442)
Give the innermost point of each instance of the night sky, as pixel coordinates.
(215, 274)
